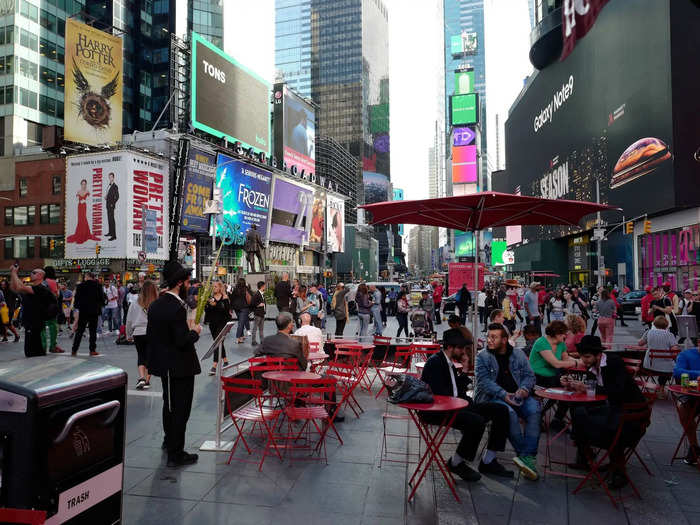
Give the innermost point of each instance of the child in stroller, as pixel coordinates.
(421, 323)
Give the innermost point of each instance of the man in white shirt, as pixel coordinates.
(313, 334)
(111, 311)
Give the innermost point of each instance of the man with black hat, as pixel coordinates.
(173, 357)
(444, 380)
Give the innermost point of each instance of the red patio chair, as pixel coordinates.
(347, 379)
(652, 377)
(267, 363)
(631, 413)
(255, 411)
(400, 365)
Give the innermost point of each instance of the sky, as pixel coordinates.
(415, 71)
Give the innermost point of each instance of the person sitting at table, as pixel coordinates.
(504, 375)
(658, 337)
(577, 329)
(280, 344)
(444, 380)
(596, 426)
(688, 362)
(314, 334)
(531, 334)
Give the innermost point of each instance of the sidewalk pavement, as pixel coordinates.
(352, 488)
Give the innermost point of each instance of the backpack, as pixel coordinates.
(409, 389)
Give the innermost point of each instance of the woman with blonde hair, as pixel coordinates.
(217, 314)
(577, 329)
(136, 324)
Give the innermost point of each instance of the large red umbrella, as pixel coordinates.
(478, 211)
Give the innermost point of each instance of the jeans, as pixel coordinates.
(258, 323)
(378, 324)
(525, 443)
(402, 318)
(364, 323)
(111, 315)
(243, 322)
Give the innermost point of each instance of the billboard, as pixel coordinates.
(398, 196)
(463, 273)
(464, 82)
(93, 85)
(376, 187)
(497, 249)
(608, 120)
(201, 169)
(298, 134)
(245, 193)
(463, 136)
(464, 164)
(291, 211)
(379, 118)
(335, 224)
(464, 242)
(464, 109)
(229, 100)
(465, 43)
(106, 196)
(317, 230)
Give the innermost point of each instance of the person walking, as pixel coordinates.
(402, 310)
(376, 309)
(89, 300)
(315, 306)
(606, 316)
(172, 356)
(35, 301)
(339, 307)
(438, 290)
(9, 301)
(363, 308)
(111, 312)
(645, 304)
(136, 329)
(481, 307)
(283, 293)
(463, 300)
(393, 296)
(259, 311)
(557, 306)
(52, 311)
(531, 302)
(217, 312)
(240, 301)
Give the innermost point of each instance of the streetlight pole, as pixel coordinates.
(599, 240)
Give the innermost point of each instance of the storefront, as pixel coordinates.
(580, 260)
(671, 255)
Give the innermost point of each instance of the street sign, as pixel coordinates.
(142, 256)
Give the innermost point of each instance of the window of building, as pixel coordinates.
(59, 80)
(47, 20)
(29, 11)
(9, 59)
(28, 69)
(56, 184)
(20, 216)
(34, 133)
(22, 187)
(8, 248)
(52, 247)
(59, 109)
(9, 94)
(19, 248)
(49, 213)
(28, 40)
(47, 49)
(47, 105)
(60, 54)
(6, 34)
(47, 76)
(8, 216)
(27, 98)
(61, 27)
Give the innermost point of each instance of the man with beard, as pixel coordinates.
(173, 357)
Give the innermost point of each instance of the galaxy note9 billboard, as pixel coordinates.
(228, 100)
(602, 115)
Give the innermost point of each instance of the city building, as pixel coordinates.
(206, 17)
(421, 252)
(335, 163)
(337, 52)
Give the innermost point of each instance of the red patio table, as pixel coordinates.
(557, 394)
(313, 356)
(447, 406)
(289, 375)
(676, 391)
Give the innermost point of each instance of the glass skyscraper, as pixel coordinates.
(206, 17)
(337, 52)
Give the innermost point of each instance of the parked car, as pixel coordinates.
(631, 301)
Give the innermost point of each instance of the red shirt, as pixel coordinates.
(646, 302)
(541, 296)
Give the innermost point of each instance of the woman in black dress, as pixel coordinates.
(218, 313)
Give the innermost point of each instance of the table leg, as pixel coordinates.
(684, 436)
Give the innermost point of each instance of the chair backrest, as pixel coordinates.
(271, 364)
(238, 385)
(318, 389)
(342, 371)
(424, 351)
(658, 354)
(382, 340)
(314, 346)
(632, 365)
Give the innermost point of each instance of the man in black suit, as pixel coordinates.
(253, 247)
(89, 301)
(172, 357)
(444, 380)
(111, 198)
(281, 344)
(283, 293)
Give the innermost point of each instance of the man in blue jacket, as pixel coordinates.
(688, 362)
(503, 375)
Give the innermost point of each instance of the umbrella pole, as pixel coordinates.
(475, 302)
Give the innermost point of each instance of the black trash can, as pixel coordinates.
(62, 429)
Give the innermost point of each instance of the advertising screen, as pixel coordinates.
(464, 164)
(299, 133)
(106, 195)
(317, 230)
(398, 196)
(463, 109)
(291, 211)
(93, 85)
(463, 273)
(466, 43)
(335, 224)
(464, 242)
(376, 187)
(245, 192)
(497, 249)
(228, 100)
(463, 136)
(201, 168)
(602, 115)
(379, 118)
(464, 82)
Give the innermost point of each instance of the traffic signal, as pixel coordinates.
(629, 227)
(647, 226)
(52, 244)
(97, 249)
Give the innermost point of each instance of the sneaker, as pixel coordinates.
(463, 471)
(212, 371)
(93, 353)
(57, 350)
(527, 466)
(140, 383)
(184, 458)
(494, 469)
(147, 385)
(690, 458)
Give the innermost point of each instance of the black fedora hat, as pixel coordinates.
(173, 272)
(590, 342)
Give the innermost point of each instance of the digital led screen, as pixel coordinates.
(463, 109)
(464, 82)
(464, 164)
(299, 133)
(228, 100)
(463, 136)
(466, 43)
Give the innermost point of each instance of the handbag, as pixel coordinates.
(409, 389)
(4, 314)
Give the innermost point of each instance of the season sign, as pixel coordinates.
(555, 184)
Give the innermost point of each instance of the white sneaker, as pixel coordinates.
(140, 383)
(247, 332)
